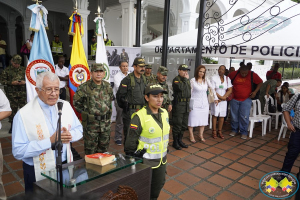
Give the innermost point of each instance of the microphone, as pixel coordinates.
(60, 104)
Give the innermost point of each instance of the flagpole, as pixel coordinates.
(138, 24)
(164, 55)
(200, 34)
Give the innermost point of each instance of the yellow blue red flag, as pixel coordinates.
(79, 69)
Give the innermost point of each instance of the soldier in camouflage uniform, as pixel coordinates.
(180, 113)
(160, 79)
(148, 73)
(93, 99)
(13, 79)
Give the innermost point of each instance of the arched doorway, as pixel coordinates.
(239, 12)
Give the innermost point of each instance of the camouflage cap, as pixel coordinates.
(154, 89)
(183, 67)
(163, 70)
(148, 66)
(17, 59)
(97, 67)
(139, 61)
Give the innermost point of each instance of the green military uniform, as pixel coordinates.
(56, 49)
(180, 111)
(16, 94)
(94, 102)
(164, 71)
(93, 49)
(150, 131)
(152, 76)
(130, 95)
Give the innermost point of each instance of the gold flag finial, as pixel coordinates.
(76, 7)
(37, 1)
(98, 11)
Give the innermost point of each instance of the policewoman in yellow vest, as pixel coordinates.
(149, 130)
(56, 48)
(93, 47)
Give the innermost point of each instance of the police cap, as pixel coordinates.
(154, 89)
(56, 35)
(139, 61)
(183, 67)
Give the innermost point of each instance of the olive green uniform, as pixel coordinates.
(158, 174)
(16, 94)
(130, 97)
(150, 78)
(94, 102)
(180, 110)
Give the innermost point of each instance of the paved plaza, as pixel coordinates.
(217, 169)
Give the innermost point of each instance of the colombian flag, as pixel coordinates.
(79, 69)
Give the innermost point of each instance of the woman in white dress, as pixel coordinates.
(199, 106)
(221, 83)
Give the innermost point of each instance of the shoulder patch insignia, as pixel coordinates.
(123, 85)
(176, 81)
(133, 126)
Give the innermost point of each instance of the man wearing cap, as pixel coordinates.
(56, 48)
(108, 42)
(130, 95)
(13, 79)
(148, 73)
(93, 47)
(180, 113)
(161, 79)
(93, 99)
(148, 136)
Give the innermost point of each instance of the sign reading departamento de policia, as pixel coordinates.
(238, 51)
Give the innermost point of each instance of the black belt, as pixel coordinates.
(135, 106)
(102, 117)
(184, 100)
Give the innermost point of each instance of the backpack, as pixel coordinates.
(24, 50)
(271, 107)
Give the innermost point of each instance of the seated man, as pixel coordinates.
(34, 130)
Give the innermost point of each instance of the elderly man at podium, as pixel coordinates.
(34, 130)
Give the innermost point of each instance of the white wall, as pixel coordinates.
(113, 26)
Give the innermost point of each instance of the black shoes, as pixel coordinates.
(181, 143)
(175, 143)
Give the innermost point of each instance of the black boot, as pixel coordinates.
(10, 130)
(181, 143)
(175, 143)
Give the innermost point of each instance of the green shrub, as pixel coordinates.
(287, 74)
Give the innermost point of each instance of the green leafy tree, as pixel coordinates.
(297, 1)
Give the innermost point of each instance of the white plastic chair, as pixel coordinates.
(258, 117)
(277, 114)
(283, 129)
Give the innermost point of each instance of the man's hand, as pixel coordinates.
(187, 75)
(15, 83)
(169, 108)
(252, 95)
(22, 83)
(66, 136)
(291, 127)
(52, 138)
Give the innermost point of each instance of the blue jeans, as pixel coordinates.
(2, 59)
(240, 111)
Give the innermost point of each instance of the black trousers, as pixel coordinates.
(293, 151)
(63, 93)
(29, 177)
(158, 181)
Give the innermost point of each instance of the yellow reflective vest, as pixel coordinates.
(57, 48)
(108, 43)
(93, 49)
(153, 138)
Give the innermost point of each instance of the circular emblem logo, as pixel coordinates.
(151, 130)
(107, 72)
(36, 67)
(279, 185)
(79, 74)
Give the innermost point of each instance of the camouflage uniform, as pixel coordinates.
(16, 94)
(164, 85)
(152, 77)
(94, 102)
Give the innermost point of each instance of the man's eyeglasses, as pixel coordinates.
(50, 90)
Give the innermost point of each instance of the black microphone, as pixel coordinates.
(60, 104)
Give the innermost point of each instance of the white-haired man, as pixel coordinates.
(34, 130)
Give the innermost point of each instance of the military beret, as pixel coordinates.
(163, 70)
(17, 59)
(97, 67)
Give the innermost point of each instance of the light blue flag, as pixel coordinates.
(40, 59)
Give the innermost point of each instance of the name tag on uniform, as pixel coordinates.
(221, 86)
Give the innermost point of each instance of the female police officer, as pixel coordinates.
(149, 130)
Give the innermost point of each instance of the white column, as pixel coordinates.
(27, 32)
(128, 22)
(84, 17)
(12, 39)
(188, 21)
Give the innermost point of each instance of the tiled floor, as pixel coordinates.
(217, 169)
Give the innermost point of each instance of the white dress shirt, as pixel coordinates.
(117, 80)
(4, 104)
(62, 73)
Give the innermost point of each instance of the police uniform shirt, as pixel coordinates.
(293, 104)
(62, 73)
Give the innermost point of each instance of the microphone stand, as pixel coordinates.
(58, 148)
